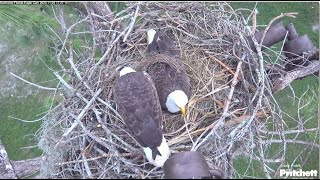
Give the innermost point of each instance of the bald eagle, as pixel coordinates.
(138, 104)
(167, 72)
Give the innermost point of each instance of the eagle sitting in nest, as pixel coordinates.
(138, 104)
(164, 65)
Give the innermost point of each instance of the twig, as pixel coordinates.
(270, 23)
(109, 48)
(222, 64)
(85, 162)
(281, 83)
(215, 91)
(33, 84)
(294, 131)
(132, 23)
(79, 117)
(254, 18)
(220, 122)
(65, 40)
(96, 158)
(290, 141)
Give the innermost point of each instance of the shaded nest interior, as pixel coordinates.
(85, 137)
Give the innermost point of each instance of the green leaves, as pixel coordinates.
(29, 21)
(117, 6)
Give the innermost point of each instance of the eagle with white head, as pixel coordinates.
(138, 104)
(168, 73)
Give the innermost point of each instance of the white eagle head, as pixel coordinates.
(126, 70)
(164, 151)
(177, 101)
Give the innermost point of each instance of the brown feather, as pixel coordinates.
(166, 70)
(138, 104)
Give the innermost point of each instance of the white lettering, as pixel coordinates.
(298, 173)
(307, 173)
(282, 172)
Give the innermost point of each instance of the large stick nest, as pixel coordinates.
(84, 136)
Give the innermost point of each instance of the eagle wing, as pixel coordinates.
(167, 79)
(139, 106)
(166, 67)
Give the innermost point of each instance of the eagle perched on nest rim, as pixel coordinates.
(138, 104)
(164, 65)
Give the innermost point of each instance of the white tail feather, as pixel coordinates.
(164, 151)
(151, 33)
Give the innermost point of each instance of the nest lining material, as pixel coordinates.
(84, 136)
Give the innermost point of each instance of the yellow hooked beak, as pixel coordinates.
(183, 111)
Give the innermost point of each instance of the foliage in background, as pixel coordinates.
(24, 25)
(26, 36)
(307, 17)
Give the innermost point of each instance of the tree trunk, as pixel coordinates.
(102, 9)
(6, 169)
(26, 167)
(281, 83)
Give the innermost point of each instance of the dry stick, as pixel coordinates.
(76, 122)
(70, 59)
(65, 40)
(47, 112)
(125, 10)
(177, 131)
(54, 32)
(260, 57)
(270, 23)
(246, 154)
(86, 165)
(132, 23)
(102, 18)
(262, 159)
(98, 31)
(222, 64)
(290, 141)
(215, 91)
(116, 137)
(224, 114)
(32, 121)
(94, 32)
(33, 84)
(187, 129)
(87, 132)
(254, 18)
(88, 87)
(96, 158)
(289, 131)
(86, 101)
(183, 31)
(60, 20)
(281, 83)
(261, 81)
(231, 122)
(110, 47)
(121, 18)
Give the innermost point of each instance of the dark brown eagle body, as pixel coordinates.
(138, 104)
(163, 63)
(168, 78)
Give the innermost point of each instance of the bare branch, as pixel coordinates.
(281, 83)
(33, 84)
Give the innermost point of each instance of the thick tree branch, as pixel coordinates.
(281, 83)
